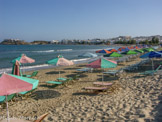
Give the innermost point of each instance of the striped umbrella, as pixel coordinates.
(60, 61)
(103, 63)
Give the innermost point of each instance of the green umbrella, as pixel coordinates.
(34, 82)
(150, 49)
(103, 63)
(113, 54)
(130, 52)
(60, 61)
(139, 51)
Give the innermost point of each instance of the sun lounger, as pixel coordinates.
(32, 75)
(9, 97)
(151, 72)
(85, 69)
(61, 79)
(113, 72)
(95, 88)
(103, 83)
(54, 82)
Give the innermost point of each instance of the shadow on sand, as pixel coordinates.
(45, 94)
(55, 72)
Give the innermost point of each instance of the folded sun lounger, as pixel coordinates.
(151, 72)
(95, 88)
(103, 83)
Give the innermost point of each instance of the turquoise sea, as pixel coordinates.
(43, 53)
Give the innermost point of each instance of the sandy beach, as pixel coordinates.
(132, 97)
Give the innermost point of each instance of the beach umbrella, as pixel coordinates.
(113, 54)
(9, 84)
(89, 55)
(113, 50)
(139, 50)
(149, 49)
(23, 59)
(104, 51)
(98, 51)
(130, 52)
(16, 68)
(60, 61)
(152, 54)
(102, 63)
(120, 49)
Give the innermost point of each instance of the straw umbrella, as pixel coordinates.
(10, 85)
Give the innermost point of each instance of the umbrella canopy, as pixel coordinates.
(113, 50)
(98, 51)
(125, 49)
(104, 51)
(114, 54)
(103, 63)
(60, 61)
(139, 51)
(149, 49)
(90, 55)
(9, 84)
(23, 59)
(34, 82)
(130, 52)
(152, 54)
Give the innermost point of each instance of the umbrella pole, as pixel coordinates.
(7, 110)
(102, 76)
(59, 73)
(152, 64)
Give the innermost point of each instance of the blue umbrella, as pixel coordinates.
(152, 54)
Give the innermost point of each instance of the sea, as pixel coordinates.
(43, 53)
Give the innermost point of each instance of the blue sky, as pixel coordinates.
(79, 19)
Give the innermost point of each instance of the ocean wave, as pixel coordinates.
(43, 51)
(64, 50)
(26, 68)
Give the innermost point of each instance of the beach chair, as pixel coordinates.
(32, 75)
(54, 82)
(103, 83)
(60, 81)
(9, 97)
(151, 72)
(96, 88)
(113, 72)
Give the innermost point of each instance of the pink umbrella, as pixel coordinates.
(60, 61)
(24, 59)
(16, 70)
(10, 85)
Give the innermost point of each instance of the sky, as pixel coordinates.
(48, 20)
